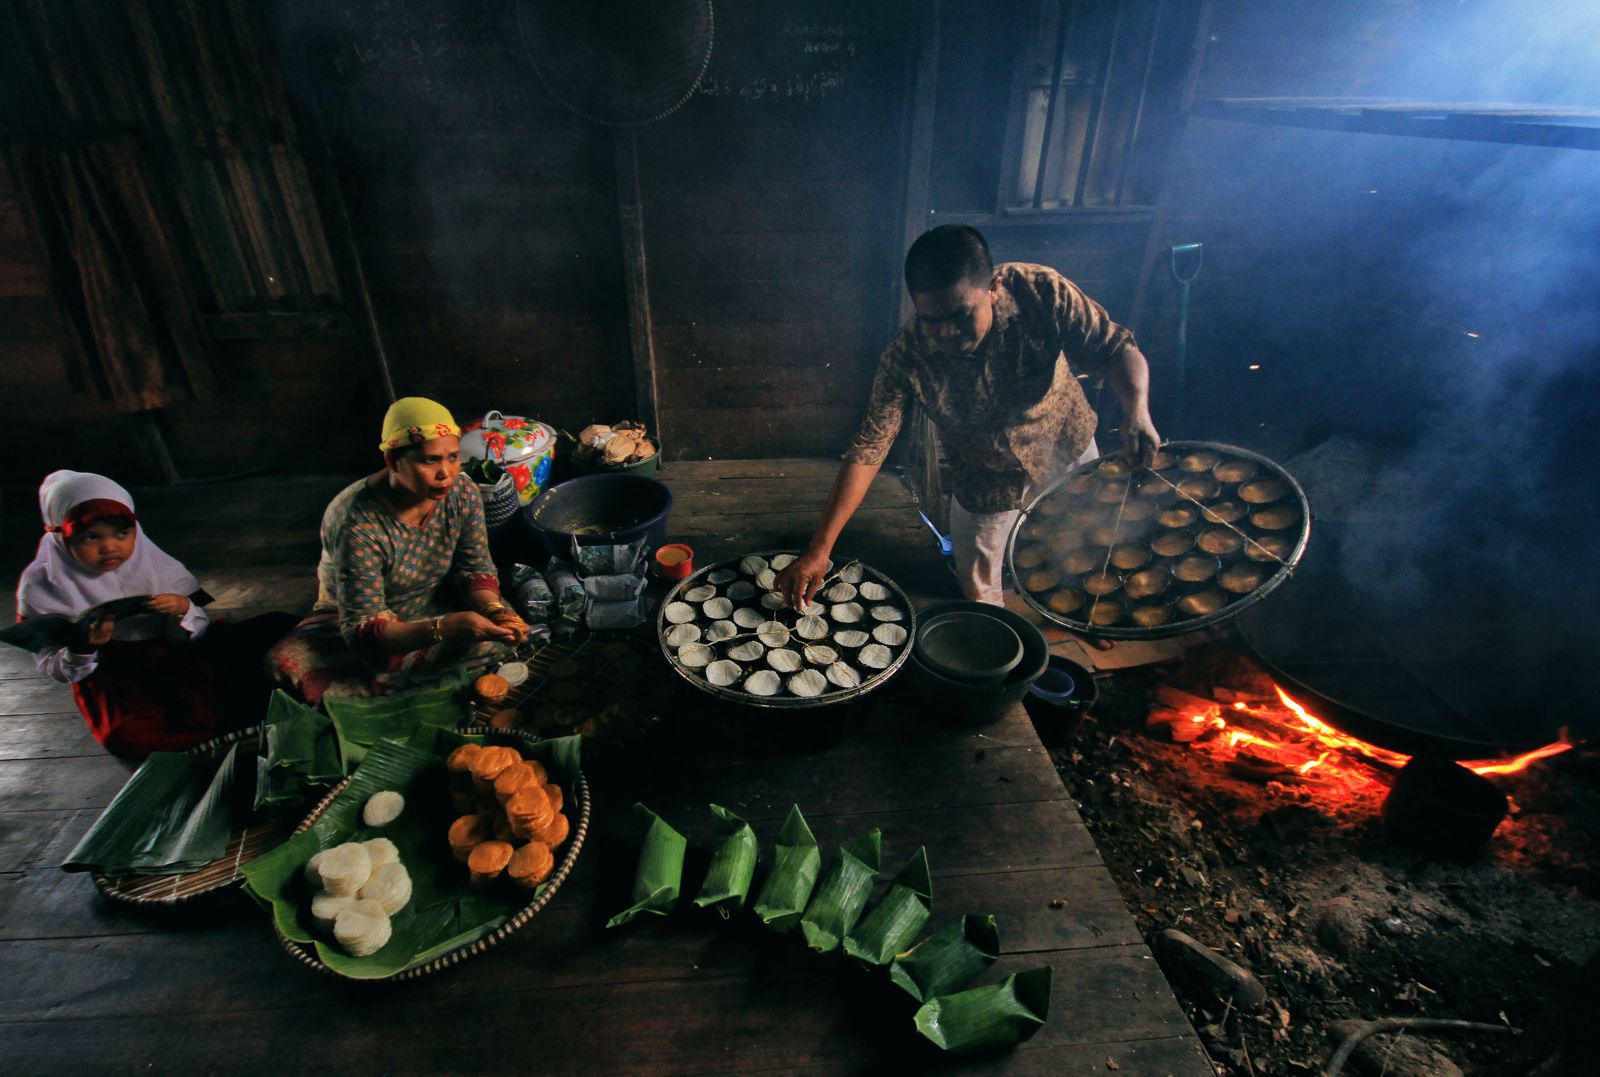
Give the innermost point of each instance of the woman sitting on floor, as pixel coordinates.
(154, 679)
(406, 592)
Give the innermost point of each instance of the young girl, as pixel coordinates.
(146, 682)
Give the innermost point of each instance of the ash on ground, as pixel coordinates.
(1294, 883)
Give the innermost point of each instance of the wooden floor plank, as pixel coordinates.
(835, 1017)
(88, 781)
(37, 695)
(42, 736)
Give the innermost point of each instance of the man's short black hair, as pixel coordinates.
(947, 255)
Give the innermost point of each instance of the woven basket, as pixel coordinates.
(224, 873)
(500, 501)
(307, 955)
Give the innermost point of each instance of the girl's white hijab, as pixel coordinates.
(56, 583)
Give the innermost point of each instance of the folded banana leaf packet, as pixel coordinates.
(844, 892)
(985, 1018)
(361, 721)
(948, 960)
(299, 749)
(894, 922)
(659, 875)
(796, 862)
(733, 864)
(173, 816)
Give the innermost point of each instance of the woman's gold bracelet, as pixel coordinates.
(434, 627)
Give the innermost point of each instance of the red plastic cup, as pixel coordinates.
(674, 561)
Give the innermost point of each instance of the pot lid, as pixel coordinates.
(510, 438)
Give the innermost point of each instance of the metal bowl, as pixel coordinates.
(1043, 508)
(829, 697)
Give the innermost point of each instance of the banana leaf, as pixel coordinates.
(733, 864)
(444, 913)
(844, 892)
(173, 816)
(660, 872)
(361, 721)
(795, 864)
(949, 960)
(894, 922)
(300, 750)
(1000, 1015)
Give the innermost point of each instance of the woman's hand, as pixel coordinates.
(800, 580)
(172, 605)
(507, 618)
(468, 625)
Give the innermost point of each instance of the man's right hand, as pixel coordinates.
(802, 578)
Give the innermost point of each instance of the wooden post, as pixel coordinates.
(641, 331)
(923, 448)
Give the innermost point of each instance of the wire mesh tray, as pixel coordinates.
(748, 597)
(1123, 552)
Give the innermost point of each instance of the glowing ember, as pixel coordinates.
(1308, 746)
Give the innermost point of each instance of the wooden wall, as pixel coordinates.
(485, 216)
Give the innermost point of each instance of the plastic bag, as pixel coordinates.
(568, 590)
(532, 596)
(613, 588)
(628, 613)
(624, 559)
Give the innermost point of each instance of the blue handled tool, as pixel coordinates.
(946, 547)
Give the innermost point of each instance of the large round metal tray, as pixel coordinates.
(788, 618)
(247, 842)
(1070, 505)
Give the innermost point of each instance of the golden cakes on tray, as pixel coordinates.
(1211, 529)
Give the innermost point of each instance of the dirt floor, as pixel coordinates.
(1293, 878)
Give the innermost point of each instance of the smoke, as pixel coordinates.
(1437, 301)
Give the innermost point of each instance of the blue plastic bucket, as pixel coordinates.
(1059, 698)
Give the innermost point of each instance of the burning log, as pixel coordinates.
(1178, 699)
(1180, 726)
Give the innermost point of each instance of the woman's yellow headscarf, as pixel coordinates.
(412, 420)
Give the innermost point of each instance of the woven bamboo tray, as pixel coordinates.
(224, 873)
(307, 955)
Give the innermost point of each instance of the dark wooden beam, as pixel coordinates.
(1559, 129)
(641, 332)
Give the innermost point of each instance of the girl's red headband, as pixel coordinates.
(88, 513)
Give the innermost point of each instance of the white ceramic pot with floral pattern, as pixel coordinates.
(525, 446)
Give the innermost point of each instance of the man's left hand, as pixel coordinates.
(1139, 439)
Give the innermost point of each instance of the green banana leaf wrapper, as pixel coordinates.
(796, 862)
(985, 1018)
(300, 750)
(174, 816)
(844, 892)
(445, 913)
(894, 922)
(362, 721)
(949, 960)
(733, 864)
(659, 875)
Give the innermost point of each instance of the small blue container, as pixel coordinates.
(1058, 700)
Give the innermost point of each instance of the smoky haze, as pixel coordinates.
(1425, 315)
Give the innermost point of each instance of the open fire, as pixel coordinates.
(1274, 737)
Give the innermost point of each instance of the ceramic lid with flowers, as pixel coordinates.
(525, 447)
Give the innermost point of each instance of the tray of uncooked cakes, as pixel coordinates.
(728, 632)
(1120, 551)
